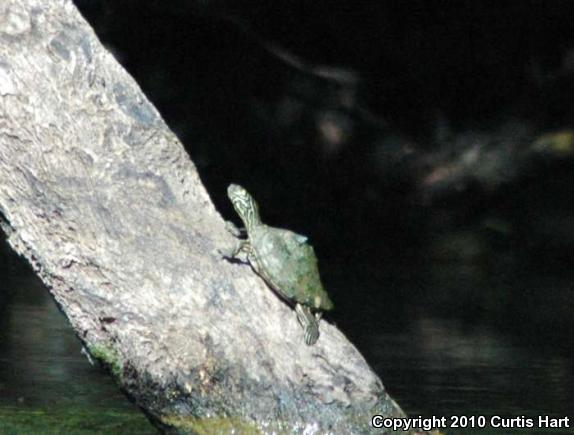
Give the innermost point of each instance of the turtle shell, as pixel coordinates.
(289, 265)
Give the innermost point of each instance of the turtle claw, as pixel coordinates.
(234, 230)
(241, 246)
(311, 334)
(228, 252)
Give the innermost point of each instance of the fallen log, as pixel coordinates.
(101, 198)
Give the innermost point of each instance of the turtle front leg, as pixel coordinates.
(238, 247)
(233, 229)
(309, 322)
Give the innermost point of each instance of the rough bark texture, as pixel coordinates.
(102, 199)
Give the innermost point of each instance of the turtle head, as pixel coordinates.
(244, 205)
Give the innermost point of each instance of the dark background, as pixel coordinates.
(390, 110)
(425, 147)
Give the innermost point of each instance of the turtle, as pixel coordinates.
(284, 259)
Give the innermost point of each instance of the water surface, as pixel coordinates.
(47, 385)
(447, 338)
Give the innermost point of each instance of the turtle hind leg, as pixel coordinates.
(309, 323)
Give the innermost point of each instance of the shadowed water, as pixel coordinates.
(487, 336)
(47, 385)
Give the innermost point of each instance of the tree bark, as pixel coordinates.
(102, 199)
